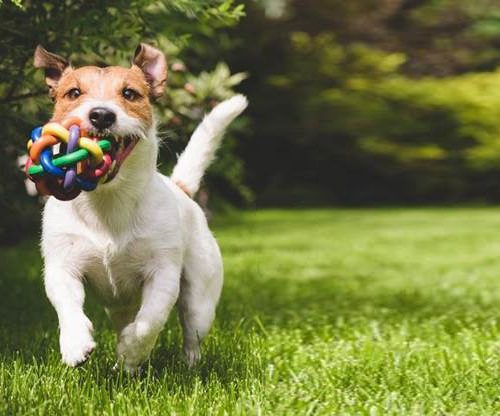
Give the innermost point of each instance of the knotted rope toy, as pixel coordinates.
(63, 161)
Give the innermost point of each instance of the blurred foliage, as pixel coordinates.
(352, 102)
(387, 101)
(106, 33)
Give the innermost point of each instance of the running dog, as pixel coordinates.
(138, 241)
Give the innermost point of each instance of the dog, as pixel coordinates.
(139, 241)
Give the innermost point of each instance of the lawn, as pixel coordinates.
(373, 311)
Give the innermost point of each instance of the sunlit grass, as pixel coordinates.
(383, 311)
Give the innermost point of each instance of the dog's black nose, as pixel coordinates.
(102, 118)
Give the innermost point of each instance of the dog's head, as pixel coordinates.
(111, 101)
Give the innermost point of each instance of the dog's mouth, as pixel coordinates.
(121, 147)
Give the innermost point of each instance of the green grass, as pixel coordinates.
(383, 311)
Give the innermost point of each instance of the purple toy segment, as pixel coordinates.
(74, 135)
(70, 177)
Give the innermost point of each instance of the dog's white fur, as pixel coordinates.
(140, 243)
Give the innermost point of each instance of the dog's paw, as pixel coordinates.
(192, 355)
(120, 365)
(76, 343)
(134, 346)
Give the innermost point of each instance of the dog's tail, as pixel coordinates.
(204, 142)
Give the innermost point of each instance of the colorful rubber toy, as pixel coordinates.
(63, 161)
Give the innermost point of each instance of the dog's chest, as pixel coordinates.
(116, 271)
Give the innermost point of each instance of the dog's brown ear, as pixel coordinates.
(54, 65)
(153, 64)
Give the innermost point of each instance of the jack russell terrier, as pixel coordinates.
(139, 241)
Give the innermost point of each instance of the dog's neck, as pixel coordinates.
(113, 207)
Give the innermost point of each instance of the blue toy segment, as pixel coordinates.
(48, 166)
(36, 133)
(85, 184)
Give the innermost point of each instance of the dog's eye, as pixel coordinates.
(73, 93)
(130, 94)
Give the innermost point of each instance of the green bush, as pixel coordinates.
(429, 136)
(368, 102)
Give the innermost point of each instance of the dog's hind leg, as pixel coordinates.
(201, 285)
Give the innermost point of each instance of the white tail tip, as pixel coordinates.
(231, 108)
(204, 142)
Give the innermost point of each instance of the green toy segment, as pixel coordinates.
(69, 159)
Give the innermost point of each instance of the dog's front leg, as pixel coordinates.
(66, 293)
(159, 295)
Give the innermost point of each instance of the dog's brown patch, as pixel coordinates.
(105, 84)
